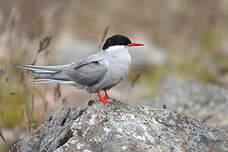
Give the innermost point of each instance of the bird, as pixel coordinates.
(98, 72)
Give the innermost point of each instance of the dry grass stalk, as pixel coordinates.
(64, 100)
(2, 137)
(57, 92)
(2, 72)
(135, 80)
(104, 36)
(164, 106)
(43, 46)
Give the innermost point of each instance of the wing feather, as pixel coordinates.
(88, 72)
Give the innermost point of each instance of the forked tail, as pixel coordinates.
(48, 74)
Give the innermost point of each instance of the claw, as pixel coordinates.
(108, 97)
(103, 100)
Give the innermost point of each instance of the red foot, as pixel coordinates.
(103, 100)
(108, 97)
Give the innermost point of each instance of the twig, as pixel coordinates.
(104, 36)
(64, 100)
(205, 119)
(3, 119)
(12, 93)
(32, 119)
(44, 44)
(46, 106)
(57, 92)
(22, 77)
(164, 106)
(2, 137)
(1, 72)
(135, 80)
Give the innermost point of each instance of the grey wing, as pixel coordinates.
(87, 73)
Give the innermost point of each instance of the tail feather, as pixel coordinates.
(51, 73)
(42, 68)
(45, 81)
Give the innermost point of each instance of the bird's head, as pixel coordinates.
(119, 40)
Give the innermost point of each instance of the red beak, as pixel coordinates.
(135, 44)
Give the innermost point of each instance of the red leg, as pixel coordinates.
(107, 96)
(103, 100)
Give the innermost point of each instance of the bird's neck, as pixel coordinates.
(119, 54)
(117, 50)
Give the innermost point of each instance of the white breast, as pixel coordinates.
(118, 62)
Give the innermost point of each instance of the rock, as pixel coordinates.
(205, 102)
(119, 127)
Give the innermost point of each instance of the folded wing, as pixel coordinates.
(87, 74)
(84, 73)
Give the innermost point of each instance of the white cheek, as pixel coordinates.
(115, 48)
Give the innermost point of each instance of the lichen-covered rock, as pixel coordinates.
(119, 127)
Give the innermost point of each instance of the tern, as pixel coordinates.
(98, 72)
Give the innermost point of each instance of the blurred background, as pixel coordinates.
(184, 40)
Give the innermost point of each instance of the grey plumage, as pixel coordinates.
(100, 71)
(82, 74)
(46, 72)
(88, 74)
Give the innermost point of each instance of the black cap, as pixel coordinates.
(116, 40)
